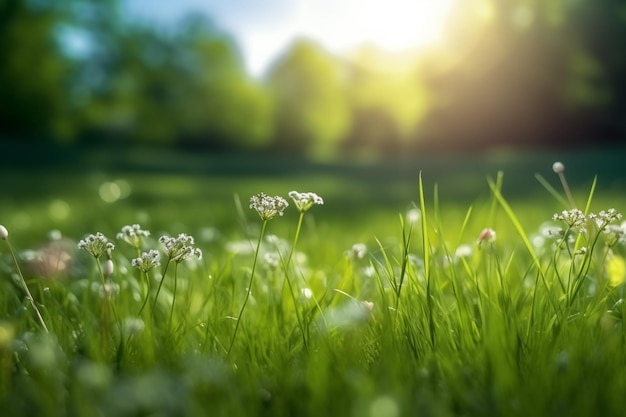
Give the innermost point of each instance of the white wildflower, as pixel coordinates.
(573, 218)
(614, 234)
(4, 233)
(463, 251)
(133, 235)
(357, 251)
(147, 260)
(272, 259)
(267, 207)
(96, 245)
(304, 201)
(551, 231)
(133, 326)
(607, 216)
(180, 248)
(369, 271)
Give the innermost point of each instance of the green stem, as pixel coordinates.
(289, 284)
(567, 190)
(245, 301)
(156, 296)
(146, 279)
(173, 295)
(29, 296)
(406, 242)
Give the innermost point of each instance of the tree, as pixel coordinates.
(184, 85)
(388, 100)
(312, 113)
(31, 71)
(596, 86)
(221, 100)
(500, 80)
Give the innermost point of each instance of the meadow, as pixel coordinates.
(193, 285)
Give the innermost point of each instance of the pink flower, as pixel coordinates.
(487, 235)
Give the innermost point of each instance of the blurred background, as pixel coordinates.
(321, 79)
(96, 93)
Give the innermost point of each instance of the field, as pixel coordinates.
(433, 286)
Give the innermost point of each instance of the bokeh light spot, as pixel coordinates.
(59, 210)
(124, 187)
(110, 192)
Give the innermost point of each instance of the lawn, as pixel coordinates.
(437, 286)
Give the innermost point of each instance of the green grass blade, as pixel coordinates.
(549, 188)
(518, 227)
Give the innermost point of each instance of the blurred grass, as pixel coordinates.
(54, 187)
(448, 353)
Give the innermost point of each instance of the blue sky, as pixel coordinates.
(264, 28)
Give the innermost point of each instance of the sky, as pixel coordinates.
(263, 29)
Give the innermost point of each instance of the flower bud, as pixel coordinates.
(558, 167)
(4, 233)
(487, 235)
(108, 268)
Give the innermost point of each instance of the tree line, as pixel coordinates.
(508, 73)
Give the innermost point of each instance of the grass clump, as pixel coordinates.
(489, 318)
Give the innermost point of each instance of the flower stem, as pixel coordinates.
(568, 192)
(293, 295)
(245, 301)
(147, 281)
(173, 295)
(26, 290)
(156, 296)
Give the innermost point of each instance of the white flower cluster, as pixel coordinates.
(605, 217)
(573, 218)
(96, 245)
(147, 260)
(272, 259)
(180, 248)
(582, 251)
(133, 235)
(615, 234)
(357, 251)
(268, 207)
(304, 201)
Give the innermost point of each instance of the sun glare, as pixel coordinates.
(343, 25)
(392, 25)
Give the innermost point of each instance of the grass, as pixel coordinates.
(289, 315)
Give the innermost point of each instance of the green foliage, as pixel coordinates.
(31, 72)
(311, 109)
(510, 74)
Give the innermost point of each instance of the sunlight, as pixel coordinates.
(342, 26)
(392, 25)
